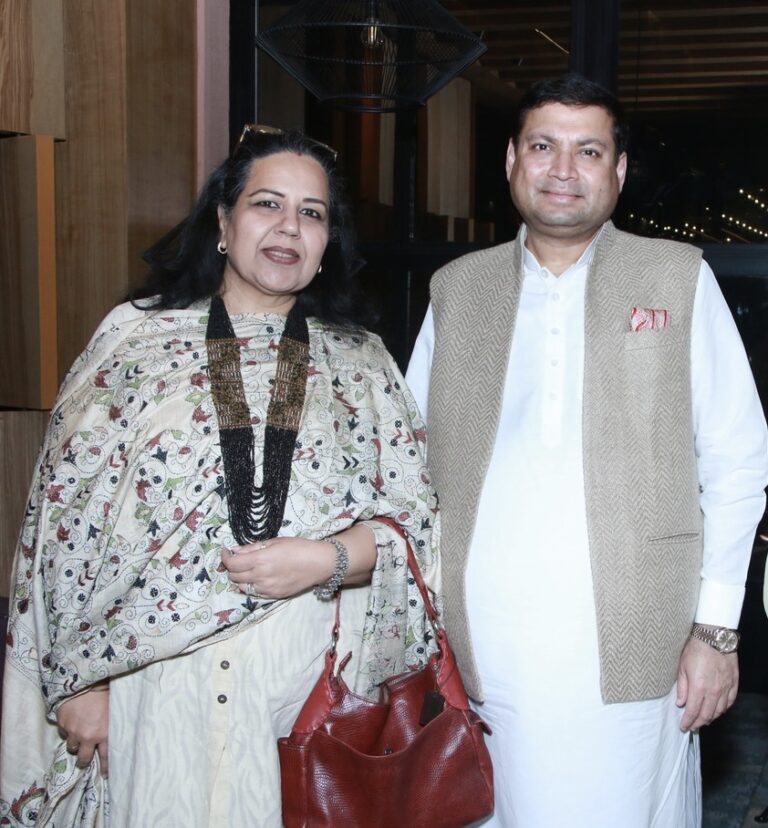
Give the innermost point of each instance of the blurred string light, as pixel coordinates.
(687, 231)
(743, 225)
(731, 226)
(758, 202)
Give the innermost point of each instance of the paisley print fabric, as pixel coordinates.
(118, 564)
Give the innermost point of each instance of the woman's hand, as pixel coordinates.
(84, 722)
(282, 567)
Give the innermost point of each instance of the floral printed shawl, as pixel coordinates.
(118, 563)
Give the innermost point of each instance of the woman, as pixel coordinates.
(209, 478)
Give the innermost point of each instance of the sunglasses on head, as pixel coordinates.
(251, 132)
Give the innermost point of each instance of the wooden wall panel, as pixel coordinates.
(28, 343)
(47, 282)
(91, 173)
(161, 92)
(31, 67)
(20, 438)
(126, 173)
(212, 87)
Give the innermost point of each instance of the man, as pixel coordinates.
(599, 451)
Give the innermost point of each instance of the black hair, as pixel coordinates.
(572, 89)
(185, 264)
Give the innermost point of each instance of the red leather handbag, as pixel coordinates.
(417, 759)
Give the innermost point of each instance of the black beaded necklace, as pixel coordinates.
(256, 512)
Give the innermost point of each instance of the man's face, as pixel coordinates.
(564, 176)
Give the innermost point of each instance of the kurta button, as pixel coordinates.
(225, 665)
(222, 699)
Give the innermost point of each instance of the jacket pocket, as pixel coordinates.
(680, 537)
(660, 338)
(671, 573)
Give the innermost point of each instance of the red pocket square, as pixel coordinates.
(648, 319)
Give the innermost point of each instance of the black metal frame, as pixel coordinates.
(242, 66)
(595, 40)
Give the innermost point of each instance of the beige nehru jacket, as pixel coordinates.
(641, 487)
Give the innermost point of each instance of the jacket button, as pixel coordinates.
(221, 699)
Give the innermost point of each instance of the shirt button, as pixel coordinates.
(555, 331)
(224, 665)
(552, 395)
(554, 362)
(555, 297)
(221, 699)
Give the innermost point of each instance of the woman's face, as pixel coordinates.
(276, 233)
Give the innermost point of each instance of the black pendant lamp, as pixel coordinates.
(371, 55)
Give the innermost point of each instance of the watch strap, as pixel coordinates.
(722, 639)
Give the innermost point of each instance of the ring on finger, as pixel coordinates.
(252, 592)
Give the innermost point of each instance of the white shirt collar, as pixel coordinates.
(531, 264)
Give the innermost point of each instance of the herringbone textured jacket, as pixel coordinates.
(642, 492)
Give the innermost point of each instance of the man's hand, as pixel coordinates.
(707, 683)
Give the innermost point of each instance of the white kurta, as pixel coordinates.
(206, 756)
(560, 755)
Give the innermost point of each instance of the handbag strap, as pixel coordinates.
(413, 565)
(329, 689)
(448, 675)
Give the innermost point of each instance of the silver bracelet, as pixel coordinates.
(327, 590)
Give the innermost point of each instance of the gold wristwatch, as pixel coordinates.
(722, 639)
